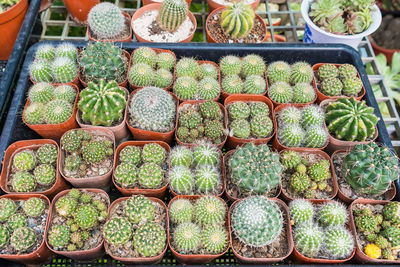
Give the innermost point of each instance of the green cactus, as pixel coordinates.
(316, 137)
(181, 180)
(208, 70)
(67, 50)
(139, 209)
(66, 205)
(141, 74)
(257, 108)
(240, 128)
(230, 65)
(41, 93)
(40, 71)
(23, 239)
(145, 55)
(352, 86)
(47, 154)
(391, 212)
(347, 71)
(366, 223)
(23, 182)
(85, 198)
(34, 113)
(72, 162)
(34, 207)
(86, 217)
(172, 14)
(45, 52)
(150, 175)
(327, 71)
(16, 221)
(57, 111)
(182, 133)
(131, 155)
(126, 175)
(237, 20)
(331, 87)
(392, 234)
(208, 88)
(206, 179)
(45, 174)
(189, 118)
(59, 236)
(206, 155)
(187, 237)
(281, 92)
(94, 152)
(214, 130)
(7, 208)
(291, 135)
(308, 239)
(289, 116)
(209, 210)
(239, 110)
(232, 84)
(71, 141)
(253, 65)
(149, 239)
(303, 93)
(64, 70)
(4, 236)
(301, 211)
(339, 243)
(187, 67)
(24, 160)
(165, 60)
(214, 239)
(261, 126)
(299, 182)
(301, 73)
(181, 156)
(319, 172)
(278, 71)
(255, 85)
(312, 115)
(381, 242)
(117, 231)
(180, 211)
(163, 78)
(290, 159)
(153, 153)
(332, 214)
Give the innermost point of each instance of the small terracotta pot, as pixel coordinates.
(233, 141)
(192, 102)
(287, 197)
(140, 260)
(226, 95)
(381, 50)
(159, 192)
(197, 258)
(79, 10)
(322, 96)
(212, 5)
(126, 39)
(288, 230)
(18, 146)
(148, 2)
(156, 6)
(389, 195)
(157, 50)
(45, 5)
(42, 254)
(278, 38)
(102, 181)
(74, 82)
(211, 39)
(55, 131)
(79, 255)
(120, 131)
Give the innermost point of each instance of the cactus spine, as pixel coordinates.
(172, 14)
(237, 20)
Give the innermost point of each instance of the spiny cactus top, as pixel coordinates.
(237, 20)
(172, 14)
(106, 21)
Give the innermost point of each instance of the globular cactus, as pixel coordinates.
(64, 70)
(319, 172)
(308, 239)
(281, 92)
(45, 174)
(391, 212)
(57, 111)
(366, 223)
(299, 182)
(71, 141)
(301, 73)
(117, 231)
(181, 156)
(23, 181)
(180, 211)
(153, 152)
(165, 60)
(339, 243)
(301, 211)
(67, 50)
(24, 160)
(387, 254)
(186, 237)
(214, 239)
(86, 217)
(253, 64)
(23, 238)
(291, 135)
(232, 84)
(239, 110)
(4, 236)
(206, 179)
(347, 71)
(45, 52)
(240, 128)
(332, 214)
(85, 198)
(65, 92)
(327, 71)
(261, 126)
(145, 55)
(190, 118)
(290, 159)
(16, 221)
(7, 208)
(66, 205)
(140, 75)
(278, 71)
(256, 221)
(59, 236)
(40, 71)
(381, 242)
(289, 116)
(205, 155)
(352, 86)
(254, 85)
(172, 14)
(316, 137)
(182, 133)
(214, 130)
(163, 78)
(209, 210)
(126, 175)
(187, 67)
(150, 175)
(230, 65)
(237, 20)
(139, 209)
(34, 207)
(392, 234)
(181, 180)
(208, 88)
(211, 110)
(185, 87)
(34, 113)
(312, 116)
(208, 70)
(303, 93)
(95, 152)
(149, 239)
(41, 93)
(72, 162)
(131, 155)
(331, 87)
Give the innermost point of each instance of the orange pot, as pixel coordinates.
(10, 23)
(79, 10)
(233, 141)
(381, 50)
(278, 38)
(140, 134)
(225, 95)
(78, 255)
(126, 39)
(159, 192)
(139, 260)
(156, 6)
(55, 131)
(147, 2)
(45, 5)
(214, 5)
(34, 144)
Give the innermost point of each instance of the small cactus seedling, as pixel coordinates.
(327, 71)
(391, 212)
(95, 152)
(206, 179)
(315, 136)
(259, 108)
(153, 153)
(253, 65)
(7, 208)
(254, 85)
(232, 84)
(366, 223)
(239, 110)
(240, 128)
(45, 174)
(291, 135)
(150, 175)
(299, 182)
(40, 71)
(187, 67)
(70, 141)
(67, 50)
(181, 211)
(4, 236)
(139, 209)
(172, 14)
(352, 86)
(187, 237)
(208, 70)
(163, 78)
(186, 87)
(65, 92)
(209, 210)
(347, 71)
(64, 70)
(230, 65)
(16, 221)
(24, 160)
(149, 239)
(214, 239)
(261, 126)
(181, 156)
(141, 74)
(86, 217)
(165, 60)
(331, 87)
(59, 236)
(66, 205)
(34, 113)
(208, 88)
(57, 111)
(131, 155)
(289, 116)
(392, 234)
(23, 181)
(23, 238)
(301, 211)
(41, 93)
(281, 92)
(237, 20)
(181, 180)
(145, 55)
(278, 71)
(319, 171)
(308, 240)
(301, 73)
(45, 52)
(211, 110)
(290, 159)
(34, 207)
(339, 243)
(303, 93)
(312, 116)
(206, 155)
(332, 214)
(118, 231)
(126, 175)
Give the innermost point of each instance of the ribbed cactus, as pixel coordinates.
(303, 93)
(254, 85)
(163, 78)
(7, 208)
(208, 88)
(301, 211)
(289, 116)
(206, 179)
(65, 92)
(64, 70)
(57, 111)
(209, 210)
(40, 71)
(261, 126)
(230, 65)
(308, 239)
(117, 231)
(339, 243)
(185, 88)
(165, 60)
(187, 66)
(253, 64)
(301, 73)
(34, 113)
(172, 14)
(232, 84)
(23, 182)
(150, 175)
(45, 52)
(141, 74)
(290, 159)
(181, 180)
(332, 214)
(315, 136)
(214, 239)
(327, 71)
(291, 135)
(41, 93)
(237, 20)
(186, 237)
(281, 92)
(23, 238)
(139, 209)
(180, 211)
(181, 156)
(312, 115)
(67, 50)
(149, 239)
(208, 70)
(34, 207)
(206, 155)
(145, 55)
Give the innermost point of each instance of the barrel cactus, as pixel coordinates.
(301, 72)
(23, 181)
(117, 231)
(47, 154)
(181, 210)
(332, 214)
(214, 239)
(206, 155)
(278, 71)
(209, 210)
(308, 239)
(290, 159)
(254, 84)
(206, 179)
(165, 60)
(181, 156)
(23, 238)
(141, 74)
(181, 180)
(139, 209)
(40, 71)
(34, 113)
(230, 65)
(237, 20)
(281, 92)
(34, 207)
(303, 93)
(186, 237)
(7, 208)
(172, 14)
(150, 175)
(209, 70)
(45, 52)
(261, 126)
(24, 160)
(41, 93)
(68, 50)
(149, 239)
(301, 211)
(64, 70)
(232, 84)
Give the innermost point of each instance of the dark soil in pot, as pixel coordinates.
(388, 34)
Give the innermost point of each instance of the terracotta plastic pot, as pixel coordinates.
(55, 131)
(74, 82)
(211, 39)
(79, 10)
(140, 260)
(322, 96)
(197, 258)
(233, 141)
(157, 50)
(147, 2)
(278, 38)
(159, 192)
(212, 5)
(381, 50)
(225, 95)
(287, 197)
(120, 131)
(18, 146)
(247, 260)
(389, 195)
(126, 39)
(192, 102)
(156, 6)
(102, 181)
(141, 134)
(10, 23)
(78, 255)
(45, 5)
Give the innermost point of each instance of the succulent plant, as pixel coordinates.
(149, 239)
(391, 212)
(253, 65)
(86, 217)
(208, 88)
(206, 179)
(181, 180)
(45, 174)
(126, 175)
(308, 239)
(34, 113)
(352, 86)
(71, 141)
(165, 60)
(190, 118)
(327, 71)
(237, 20)
(4, 236)
(64, 70)
(40, 71)
(206, 155)
(291, 135)
(23, 238)
(347, 71)
(281, 92)
(208, 70)
(261, 126)
(24, 160)
(312, 115)
(331, 87)
(214, 130)
(319, 172)
(232, 84)
(153, 153)
(240, 128)
(316, 137)
(131, 155)
(230, 65)
(214, 239)
(66, 205)
(7, 208)
(68, 50)
(332, 214)
(139, 209)
(187, 67)
(172, 14)
(301, 73)
(381, 242)
(150, 175)
(257, 108)
(373, 251)
(303, 93)
(163, 78)
(141, 74)
(41, 93)
(47, 154)
(187, 237)
(299, 182)
(290, 159)
(366, 223)
(289, 116)
(239, 110)
(59, 236)
(23, 181)
(339, 243)
(255, 85)
(278, 71)
(117, 231)
(16, 221)
(186, 87)
(95, 152)
(85, 198)
(145, 55)
(392, 234)
(45, 52)
(57, 111)
(301, 211)
(34, 207)
(209, 210)
(181, 156)
(181, 211)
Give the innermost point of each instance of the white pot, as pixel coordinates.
(313, 34)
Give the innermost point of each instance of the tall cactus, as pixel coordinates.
(237, 20)
(172, 14)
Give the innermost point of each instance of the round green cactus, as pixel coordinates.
(366, 223)
(278, 71)
(34, 113)
(189, 118)
(232, 84)
(71, 141)
(72, 162)
(180, 211)
(308, 240)
(139, 209)
(186, 237)
(117, 231)
(23, 238)
(23, 182)
(206, 155)
(261, 126)
(290, 159)
(289, 116)
(255, 85)
(42, 92)
(172, 14)
(237, 20)
(291, 135)
(40, 71)
(7, 208)
(332, 214)
(327, 71)
(165, 60)
(299, 182)
(34, 207)
(301, 73)
(145, 55)
(352, 86)
(240, 128)
(381, 242)
(347, 71)
(391, 212)
(47, 154)
(253, 65)
(339, 243)
(208, 70)
(331, 87)
(16, 221)
(66, 205)
(126, 175)
(316, 137)
(206, 179)
(319, 172)
(214, 239)
(312, 116)
(153, 153)
(214, 130)
(131, 155)
(392, 234)
(209, 210)
(301, 211)
(182, 133)
(57, 111)
(181, 156)
(4, 236)
(59, 236)
(185, 87)
(66, 49)
(163, 78)
(24, 160)
(141, 74)
(259, 108)
(281, 92)
(45, 174)
(85, 198)
(303, 93)
(208, 88)
(187, 67)
(94, 152)
(239, 110)
(150, 175)
(149, 239)
(181, 180)
(230, 65)
(45, 52)
(64, 70)
(86, 216)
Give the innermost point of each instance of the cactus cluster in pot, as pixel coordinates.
(33, 169)
(86, 154)
(78, 215)
(141, 167)
(22, 224)
(319, 230)
(136, 227)
(195, 81)
(195, 170)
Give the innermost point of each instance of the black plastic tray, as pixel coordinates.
(15, 130)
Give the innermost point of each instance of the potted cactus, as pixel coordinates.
(198, 228)
(106, 22)
(78, 10)
(355, 177)
(166, 22)
(136, 230)
(196, 170)
(320, 233)
(77, 217)
(24, 221)
(140, 167)
(260, 230)
(87, 157)
(237, 23)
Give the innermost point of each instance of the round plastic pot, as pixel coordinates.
(147, 2)
(45, 5)
(126, 39)
(197, 258)
(159, 192)
(139, 260)
(225, 95)
(322, 96)
(192, 102)
(389, 195)
(140, 134)
(42, 254)
(101, 181)
(381, 50)
(314, 34)
(18, 146)
(78, 255)
(278, 38)
(233, 141)
(212, 5)
(79, 10)
(287, 197)
(156, 6)
(278, 145)
(55, 131)
(211, 39)
(10, 23)
(120, 131)
(247, 260)
(157, 50)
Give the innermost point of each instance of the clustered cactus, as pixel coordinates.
(237, 20)
(198, 225)
(48, 104)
